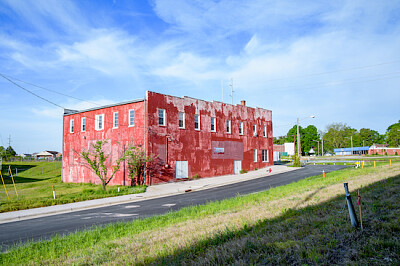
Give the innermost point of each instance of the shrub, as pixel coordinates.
(196, 176)
(243, 171)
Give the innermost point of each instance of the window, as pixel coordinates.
(71, 126)
(228, 126)
(99, 120)
(131, 118)
(83, 124)
(181, 120)
(254, 130)
(265, 156)
(115, 120)
(213, 129)
(255, 155)
(197, 122)
(265, 131)
(240, 128)
(161, 117)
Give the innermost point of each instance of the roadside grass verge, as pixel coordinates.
(34, 183)
(198, 234)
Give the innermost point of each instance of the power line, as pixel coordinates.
(34, 94)
(43, 88)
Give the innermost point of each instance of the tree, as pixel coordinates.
(335, 136)
(369, 137)
(101, 163)
(393, 135)
(2, 152)
(136, 159)
(10, 152)
(279, 140)
(310, 134)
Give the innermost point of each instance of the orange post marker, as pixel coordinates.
(323, 173)
(54, 193)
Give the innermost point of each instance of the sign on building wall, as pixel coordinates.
(227, 150)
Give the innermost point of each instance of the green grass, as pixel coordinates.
(312, 232)
(34, 185)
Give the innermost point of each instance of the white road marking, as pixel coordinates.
(125, 214)
(168, 205)
(132, 206)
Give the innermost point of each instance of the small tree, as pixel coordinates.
(100, 162)
(136, 159)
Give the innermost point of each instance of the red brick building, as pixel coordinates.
(191, 137)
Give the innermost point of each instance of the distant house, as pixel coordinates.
(46, 155)
(383, 149)
(283, 150)
(24, 155)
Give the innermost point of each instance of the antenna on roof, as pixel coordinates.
(232, 91)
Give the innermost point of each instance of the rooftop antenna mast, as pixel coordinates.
(232, 91)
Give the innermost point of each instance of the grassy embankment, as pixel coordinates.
(34, 184)
(300, 223)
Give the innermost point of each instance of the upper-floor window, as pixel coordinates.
(181, 120)
(265, 156)
(255, 155)
(71, 126)
(254, 130)
(265, 131)
(240, 128)
(161, 117)
(197, 122)
(115, 120)
(83, 124)
(213, 124)
(131, 117)
(228, 126)
(99, 120)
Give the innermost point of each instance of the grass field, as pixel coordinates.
(300, 223)
(34, 185)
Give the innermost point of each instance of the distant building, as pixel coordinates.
(286, 149)
(383, 149)
(25, 155)
(352, 151)
(46, 155)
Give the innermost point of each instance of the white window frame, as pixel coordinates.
(265, 131)
(99, 118)
(183, 120)
(198, 123)
(263, 156)
(71, 126)
(228, 127)
(255, 155)
(213, 119)
(115, 120)
(83, 124)
(240, 128)
(255, 130)
(131, 118)
(164, 117)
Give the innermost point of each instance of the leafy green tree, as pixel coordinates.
(100, 161)
(136, 159)
(393, 135)
(310, 134)
(280, 140)
(369, 137)
(10, 152)
(2, 152)
(335, 136)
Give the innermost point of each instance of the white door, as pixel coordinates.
(237, 166)
(182, 169)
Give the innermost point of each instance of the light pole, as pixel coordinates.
(298, 135)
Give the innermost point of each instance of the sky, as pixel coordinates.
(337, 60)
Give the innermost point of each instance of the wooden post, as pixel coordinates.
(12, 178)
(359, 205)
(374, 164)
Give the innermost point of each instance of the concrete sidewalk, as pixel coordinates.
(155, 191)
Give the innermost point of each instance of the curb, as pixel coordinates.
(97, 203)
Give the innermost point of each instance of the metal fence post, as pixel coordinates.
(352, 213)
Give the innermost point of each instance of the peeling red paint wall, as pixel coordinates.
(74, 168)
(196, 146)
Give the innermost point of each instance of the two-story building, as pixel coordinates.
(190, 137)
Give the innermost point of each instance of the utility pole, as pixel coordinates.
(9, 140)
(232, 91)
(322, 145)
(298, 138)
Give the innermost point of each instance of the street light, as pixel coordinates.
(298, 134)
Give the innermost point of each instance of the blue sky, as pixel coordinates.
(337, 60)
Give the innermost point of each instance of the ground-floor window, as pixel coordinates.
(265, 156)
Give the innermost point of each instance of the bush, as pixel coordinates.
(243, 171)
(196, 176)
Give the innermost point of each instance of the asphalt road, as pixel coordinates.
(46, 227)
